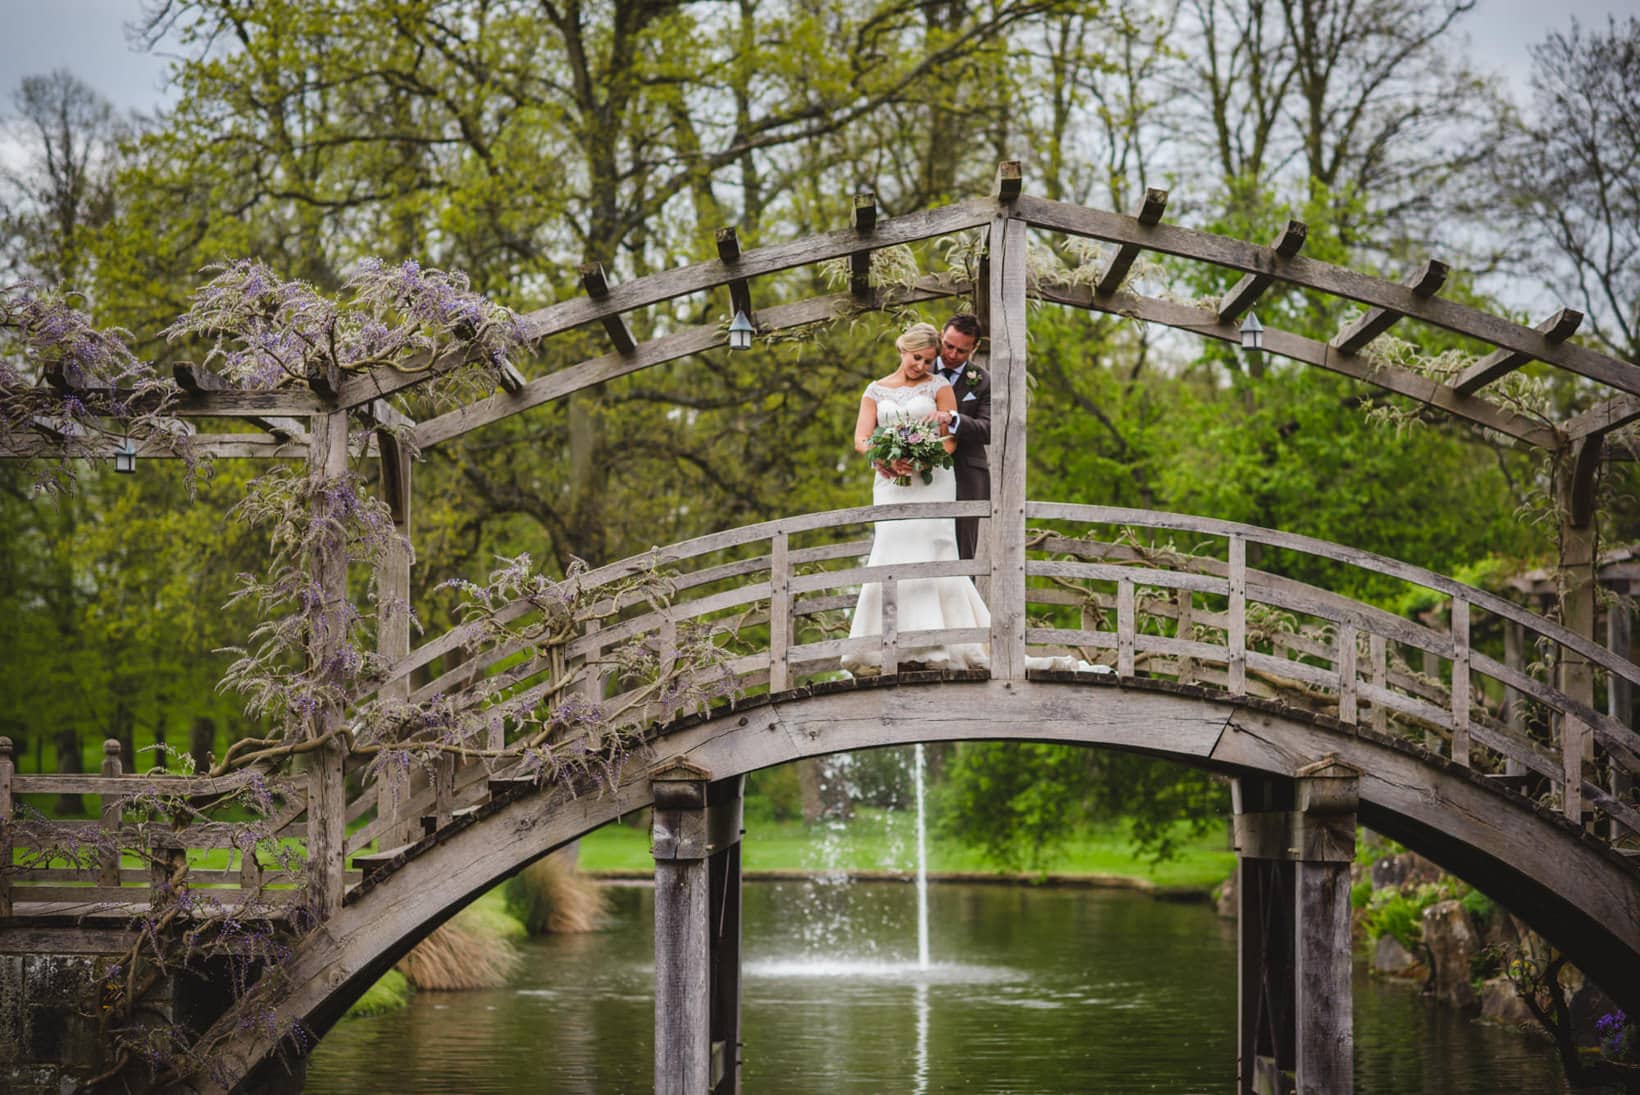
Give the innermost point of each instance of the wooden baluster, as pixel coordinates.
(1186, 630)
(592, 685)
(1432, 671)
(1347, 700)
(891, 626)
(1237, 637)
(780, 613)
(1124, 628)
(1378, 651)
(1460, 681)
(109, 873)
(1007, 319)
(8, 768)
(1514, 704)
(1573, 741)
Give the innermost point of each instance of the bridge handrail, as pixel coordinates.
(1366, 560)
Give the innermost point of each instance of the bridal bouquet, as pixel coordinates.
(917, 441)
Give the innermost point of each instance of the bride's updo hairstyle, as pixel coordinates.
(918, 336)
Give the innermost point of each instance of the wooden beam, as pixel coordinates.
(740, 292)
(597, 287)
(683, 1001)
(863, 219)
(1116, 271)
(1425, 283)
(671, 347)
(1339, 281)
(1251, 286)
(512, 381)
(1010, 181)
(1205, 322)
(1557, 328)
(1602, 418)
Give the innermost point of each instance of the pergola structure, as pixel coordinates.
(1317, 798)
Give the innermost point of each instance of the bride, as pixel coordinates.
(913, 392)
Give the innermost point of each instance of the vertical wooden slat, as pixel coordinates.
(108, 873)
(1378, 651)
(1432, 671)
(592, 685)
(1347, 700)
(1124, 628)
(1514, 704)
(1007, 449)
(1186, 629)
(1237, 639)
(891, 625)
(780, 613)
(1574, 738)
(8, 768)
(1460, 681)
(1619, 693)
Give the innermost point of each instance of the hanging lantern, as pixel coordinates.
(741, 332)
(1252, 333)
(125, 457)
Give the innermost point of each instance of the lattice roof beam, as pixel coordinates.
(1602, 418)
(597, 287)
(671, 347)
(221, 445)
(1116, 271)
(740, 291)
(1499, 363)
(863, 219)
(192, 378)
(1425, 283)
(1245, 292)
(512, 381)
(1170, 239)
(1205, 322)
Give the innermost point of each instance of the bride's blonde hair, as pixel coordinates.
(918, 336)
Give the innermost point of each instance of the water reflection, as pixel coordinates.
(1040, 990)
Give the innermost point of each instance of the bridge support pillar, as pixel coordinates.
(696, 845)
(1295, 840)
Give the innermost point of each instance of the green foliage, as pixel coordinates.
(774, 794)
(390, 993)
(1016, 801)
(1360, 895)
(1479, 906)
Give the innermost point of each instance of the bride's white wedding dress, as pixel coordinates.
(924, 604)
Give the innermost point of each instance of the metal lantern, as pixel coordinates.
(740, 332)
(125, 457)
(1252, 333)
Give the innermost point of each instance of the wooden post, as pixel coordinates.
(1006, 534)
(1264, 933)
(1574, 499)
(683, 1005)
(724, 800)
(393, 786)
(1619, 692)
(1378, 652)
(1514, 704)
(327, 792)
(1185, 629)
(109, 872)
(1125, 627)
(8, 768)
(1324, 830)
(780, 613)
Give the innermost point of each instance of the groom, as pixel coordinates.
(971, 422)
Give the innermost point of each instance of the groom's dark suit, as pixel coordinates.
(972, 387)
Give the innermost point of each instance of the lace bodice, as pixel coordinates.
(909, 403)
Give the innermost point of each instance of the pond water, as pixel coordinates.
(1030, 990)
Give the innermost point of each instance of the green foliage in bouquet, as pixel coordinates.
(918, 442)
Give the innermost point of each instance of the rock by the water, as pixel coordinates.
(1390, 957)
(1452, 944)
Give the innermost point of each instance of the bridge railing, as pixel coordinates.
(1237, 609)
(1473, 685)
(109, 863)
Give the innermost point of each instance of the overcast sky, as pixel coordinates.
(89, 38)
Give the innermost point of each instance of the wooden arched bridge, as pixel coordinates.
(1473, 734)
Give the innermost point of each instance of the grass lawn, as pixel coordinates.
(879, 840)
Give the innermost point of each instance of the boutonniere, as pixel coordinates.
(972, 376)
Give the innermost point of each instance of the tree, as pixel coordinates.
(1570, 171)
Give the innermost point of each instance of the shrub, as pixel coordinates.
(551, 897)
